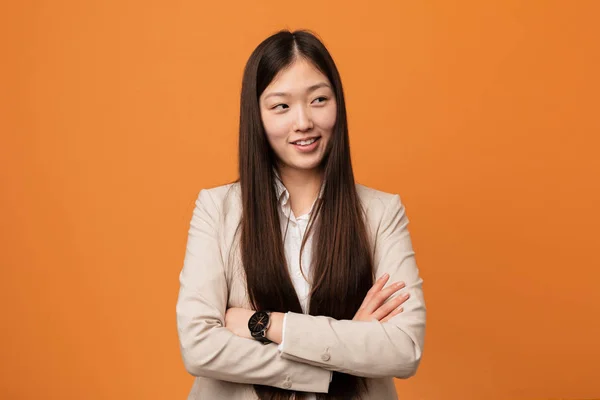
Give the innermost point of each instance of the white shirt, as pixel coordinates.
(296, 227)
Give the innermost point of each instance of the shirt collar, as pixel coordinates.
(280, 189)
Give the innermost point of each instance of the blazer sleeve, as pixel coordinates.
(369, 349)
(208, 348)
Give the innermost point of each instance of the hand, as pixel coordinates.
(236, 320)
(373, 306)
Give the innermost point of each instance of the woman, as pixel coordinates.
(277, 297)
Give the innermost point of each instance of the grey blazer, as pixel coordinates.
(226, 366)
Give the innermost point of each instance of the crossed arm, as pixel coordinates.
(313, 345)
(373, 307)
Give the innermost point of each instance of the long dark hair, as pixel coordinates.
(342, 261)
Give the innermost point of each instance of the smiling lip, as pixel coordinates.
(307, 148)
(305, 139)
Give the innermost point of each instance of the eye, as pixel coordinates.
(322, 98)
(283, 105)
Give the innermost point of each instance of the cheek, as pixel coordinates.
(326, 119)
(276, 129)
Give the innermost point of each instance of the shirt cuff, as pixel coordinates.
(280, 347)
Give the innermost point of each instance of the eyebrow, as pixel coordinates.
(308, 90)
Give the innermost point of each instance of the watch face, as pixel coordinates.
(258, 321)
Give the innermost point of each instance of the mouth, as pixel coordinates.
(306, 142)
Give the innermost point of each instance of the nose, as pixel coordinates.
(303, 120)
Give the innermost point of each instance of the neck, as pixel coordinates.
(303, 186)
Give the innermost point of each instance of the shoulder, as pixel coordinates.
(222, 192)
(220, 198)
(231, 192)
(381, 208)
(374, 199)
(224, 197)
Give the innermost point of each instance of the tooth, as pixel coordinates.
(305, 142)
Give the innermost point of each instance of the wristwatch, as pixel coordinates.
(258, 324)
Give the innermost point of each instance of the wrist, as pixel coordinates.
(246, 318)
(274, 333)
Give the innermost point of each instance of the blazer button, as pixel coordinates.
(325, 357)
(287, 384)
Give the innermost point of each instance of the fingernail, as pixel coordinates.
(397, 284)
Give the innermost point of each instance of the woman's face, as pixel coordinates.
(298, 111)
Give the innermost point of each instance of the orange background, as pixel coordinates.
(483, 116)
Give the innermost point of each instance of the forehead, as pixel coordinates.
(298, 75)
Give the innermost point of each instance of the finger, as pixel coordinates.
(376, 288)
(397, 311)
(390, 290)
(390, 306)
(378, 299)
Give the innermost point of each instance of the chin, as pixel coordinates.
(304, 166)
